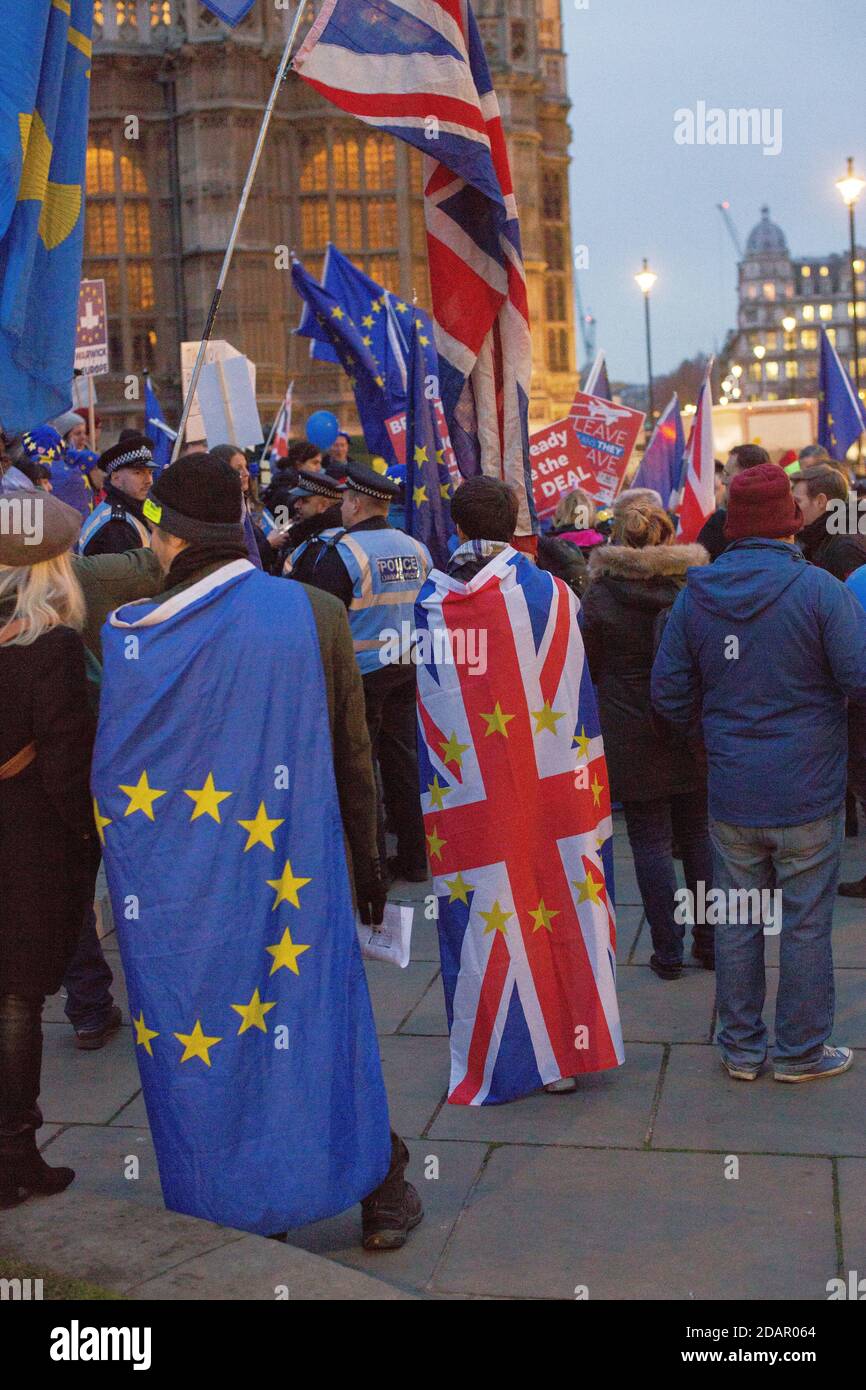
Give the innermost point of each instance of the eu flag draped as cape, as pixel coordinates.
(516, 805)
(252, 1022)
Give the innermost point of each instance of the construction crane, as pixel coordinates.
(724, 209)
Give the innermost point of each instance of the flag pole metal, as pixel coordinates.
(230, 248)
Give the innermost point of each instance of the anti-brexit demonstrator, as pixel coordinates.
(228, 871)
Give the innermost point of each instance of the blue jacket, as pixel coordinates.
(772, 702)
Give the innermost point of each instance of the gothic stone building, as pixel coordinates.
(783, 300)
(177, 100)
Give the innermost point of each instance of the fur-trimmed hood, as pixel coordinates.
(652, 562)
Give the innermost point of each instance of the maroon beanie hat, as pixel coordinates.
(761, 503)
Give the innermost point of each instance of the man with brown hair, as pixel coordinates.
(827, 539)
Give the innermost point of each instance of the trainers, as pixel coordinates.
(562, 1086)
(89, 1039)
(833, 1062)
(741, 1073)
(853, 888)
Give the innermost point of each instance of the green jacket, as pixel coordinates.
(108, 581)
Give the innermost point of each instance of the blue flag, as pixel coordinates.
(229, 11)
(841, 417)
(427, 486)
(376, 396)
(153, 417)
(252, 1023)
(661, 467)
(44, 95)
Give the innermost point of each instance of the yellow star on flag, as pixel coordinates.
(196, 1044)
(421, 453)
(444, 490)
(143, 1034)
(401, 307)
(207, 800)
(261, 829)
(581, 741)
(497, 721)
(435, 844)
(379, 380)
(286, 953)
(367, 340)
(496, 919)
(453, 750)
(337, 313)
(438, 791)
(459, 889)
(100, 821)
(367, 322)
(588, 889)
(419, 494)
(141, 797)
(376, 306)
(423, 340)
(287, 886)
(253, 1013)
(546, 718)
(440, 456)
(543, 916)
(596, 788)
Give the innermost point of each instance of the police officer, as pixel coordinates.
(316, 509)
(377, 572)
(118, 523)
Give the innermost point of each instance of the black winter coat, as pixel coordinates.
(840, 555)
(563, 559)
(49, 852)
(628, 590)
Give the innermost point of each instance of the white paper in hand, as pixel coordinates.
(391, 941)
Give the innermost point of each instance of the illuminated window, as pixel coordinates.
(810, 367)
(861, 309)
(831, 334)
(314, 167)
(160, 12)
(100, 169)
(136, 228)
(132, 178)
(101, 229)
(824, 270)
(791, 370)
(808, 312)
(314, 223)
(139, 279)
(771, 340)
(809, 339)
(825, 312)
(754, 371)
(380, 169)
(772, 370)
(346, 167)
(769, 290)
(381, 222)
(752, 291)
(127, 13)
(347, 232)
(805, 271)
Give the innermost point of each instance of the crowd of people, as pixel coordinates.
(730, 676)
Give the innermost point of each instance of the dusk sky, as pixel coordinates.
(635, 192)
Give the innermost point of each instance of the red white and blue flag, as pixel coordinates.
(280, 446)
(516, 805)
(417, 69)
(698, 500)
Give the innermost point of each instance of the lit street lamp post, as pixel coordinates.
(850, 187)
(645, 280)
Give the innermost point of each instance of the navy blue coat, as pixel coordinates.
(774, 715)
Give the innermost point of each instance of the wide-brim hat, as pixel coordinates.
(34, 526)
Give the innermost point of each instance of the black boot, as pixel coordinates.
(394, 1208)
(24, 1173)
(854, 888)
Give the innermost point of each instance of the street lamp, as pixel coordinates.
(645, 280)
(850, 187)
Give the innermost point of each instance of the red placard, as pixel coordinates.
(396, 427)
(589, 449)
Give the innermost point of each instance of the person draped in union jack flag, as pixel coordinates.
(514, 791)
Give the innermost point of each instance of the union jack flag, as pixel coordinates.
(517, 815)
(698, 500)
(417, 69)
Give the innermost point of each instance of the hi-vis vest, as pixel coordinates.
(387, 569)
(101, 515)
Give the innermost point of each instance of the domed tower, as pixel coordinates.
(766, 285)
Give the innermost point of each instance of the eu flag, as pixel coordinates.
(251, 1017)
(661, 467)
(229, 11)
(153, 418)
(44, 95)
(841, 417)
(427, 487)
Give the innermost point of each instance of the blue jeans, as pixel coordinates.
(802, 861)
(88, 981)
(652, 827)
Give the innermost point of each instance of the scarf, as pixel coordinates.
(202, 555)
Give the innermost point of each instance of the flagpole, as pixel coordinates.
(230, 248)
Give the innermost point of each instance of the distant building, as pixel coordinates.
(162, 190)
(783, 300)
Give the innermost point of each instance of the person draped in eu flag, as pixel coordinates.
(517, 814)
(252, 1021)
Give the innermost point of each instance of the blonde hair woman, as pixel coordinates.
(574, 521)
(48, 846)
(657, 778)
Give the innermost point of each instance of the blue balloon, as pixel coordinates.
(322, 429)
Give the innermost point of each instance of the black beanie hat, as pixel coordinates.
(198, 499)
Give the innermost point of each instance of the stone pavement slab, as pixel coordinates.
(654, 1010)
(133, 1115)
(852, 1204)
(101, 1154)
(702, 1108)
(85, 1087)
(416, 1079)
(395, 993)
(458, 1167)
(429, 1018)
(612, 1107)
(643, 1226)
(628, 924)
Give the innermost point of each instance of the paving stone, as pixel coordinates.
(443, 1198)
(852, 1202)
(655, 1010)
(628, 924)
(643, 1226)
(425, 938)
(612, 1107)
(416, 1079)
(133, 1115)
(702, 1108)
(47, 1133)
(395, 992)
(85, 1087)
(100, 1156)
(429, 1017)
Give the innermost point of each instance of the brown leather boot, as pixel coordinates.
(394, 1208)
